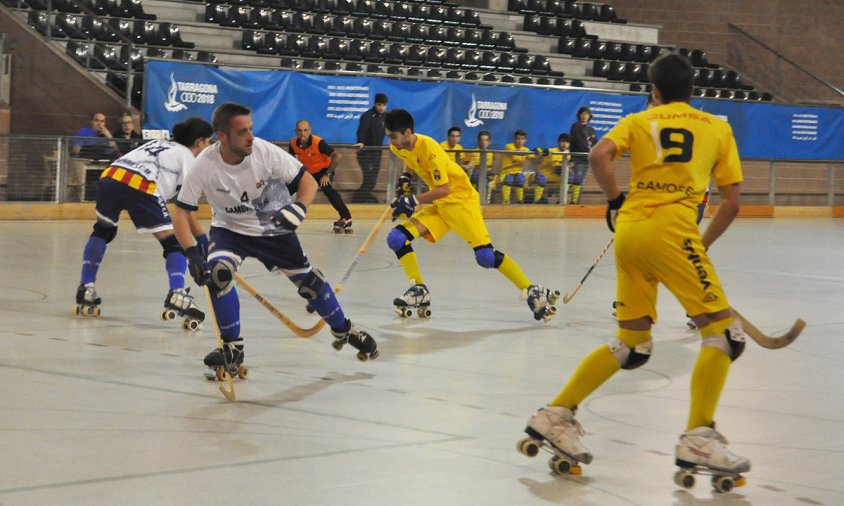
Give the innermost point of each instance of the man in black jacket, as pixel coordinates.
(582, 139)
(370, 133)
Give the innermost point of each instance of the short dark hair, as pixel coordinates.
(454, 129)
(674, 76)
(224, 113)
(582, 110)
(564, 138)
(398, 120)
(519, 132)
(484, 132)
(188, 131)
(380, 98)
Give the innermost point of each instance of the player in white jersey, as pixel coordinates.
(140, 182)
(249, 184)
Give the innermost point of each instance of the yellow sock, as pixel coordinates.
(505, 193)
(708, 378)
(575, 194)
(520, 193)
(593, 371)
(514, 273)
(411, 267)
(537, 193)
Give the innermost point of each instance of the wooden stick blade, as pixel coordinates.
(228, 382)
(772, 342)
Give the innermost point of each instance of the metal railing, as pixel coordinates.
(789, 81)
(46, 169)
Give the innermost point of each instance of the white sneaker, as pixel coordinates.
(556, 424)
(706, 447)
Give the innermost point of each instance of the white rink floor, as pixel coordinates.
(115, 410)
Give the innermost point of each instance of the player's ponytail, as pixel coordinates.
(191, 129)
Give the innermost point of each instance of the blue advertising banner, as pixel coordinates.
(175, 91)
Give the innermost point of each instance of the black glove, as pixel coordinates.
(404, 206)
(203, 244)
(403, 185)
(290, 216)
(198, 266)
(612, 210)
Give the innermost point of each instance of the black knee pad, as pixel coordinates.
(171, 245)
(103, 232)
(631, 358)
(499, 258)
(312, 285)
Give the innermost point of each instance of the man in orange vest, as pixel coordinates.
(320, 160)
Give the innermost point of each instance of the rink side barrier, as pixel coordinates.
(85, 211)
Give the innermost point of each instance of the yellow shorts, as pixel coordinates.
(664, 248)
(466, 221)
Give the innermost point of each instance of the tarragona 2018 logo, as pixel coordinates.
(481, 110)
(187, 92)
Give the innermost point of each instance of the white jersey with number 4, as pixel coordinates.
(162, 162)
(245, 196)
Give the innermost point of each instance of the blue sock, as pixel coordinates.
(328, 308)
(176, 265)
(91, 258)
(227, 311)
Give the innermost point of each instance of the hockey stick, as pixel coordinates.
(226, 376)
(771, 342)
(308, 332)
(299, 331)
(567, 298)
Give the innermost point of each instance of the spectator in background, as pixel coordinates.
(453, 143)
(370, 134)
(484, 140)
(127, 138)
(551, 170)
(512, 174)
(582, 139)
(93, 148)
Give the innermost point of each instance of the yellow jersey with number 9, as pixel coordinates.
(675, 150)
(431, 163)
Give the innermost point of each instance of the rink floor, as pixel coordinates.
(115, 410)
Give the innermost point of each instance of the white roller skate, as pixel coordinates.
(554, 429)
(416, 297)
(365, 344)
(703, 450)
(87, 301)
(180, 302)
(690, 323)
(541, 301)
(230, 359)
(342, 226)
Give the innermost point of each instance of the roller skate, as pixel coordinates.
(342, 226)
(690, 323)
(416, 297)
(365, 344)
(703, 450)
(230, 359)
(541, 301)
(554, 429)
(179, 302)
(87, 301)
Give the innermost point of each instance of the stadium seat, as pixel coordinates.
(362, 28)
(489, 61)
(703, 77)
(418, 33)
(358, 49)
(454, 15)
(399, 31)
(698, 58)
(342, 26)
(523, 64)
(415, 71)
(472, 60)
(617, 71)
(606, 13)
(381, 28)
(251, 40)
(324, 6)
(455, 58)
(471, 39)
(320, 24)
(382, 10)
(41, 22)
(434, 57)
(181, 54)
(506, 62)
(454, 36)
(377, 52)
(434, 73)
(337, 48)
(507, 78)
(317, 46)
(566, 45)
(396, 53)
(454, 74)
(472, 76)
(418, 55)
(489, 76)
(363, 8)
(437, 35)
(344, 7)
(505, 42)
(401, 11)
(583, 48)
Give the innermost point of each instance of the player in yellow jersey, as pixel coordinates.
(674, 151)
(551, 170)
(454, 205)
(512, 174)
(453, 144)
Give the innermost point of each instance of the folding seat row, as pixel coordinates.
(717, 78)
(547, 25)
(621, 71)
(606, 50)
(566, 9)
(138, 31)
